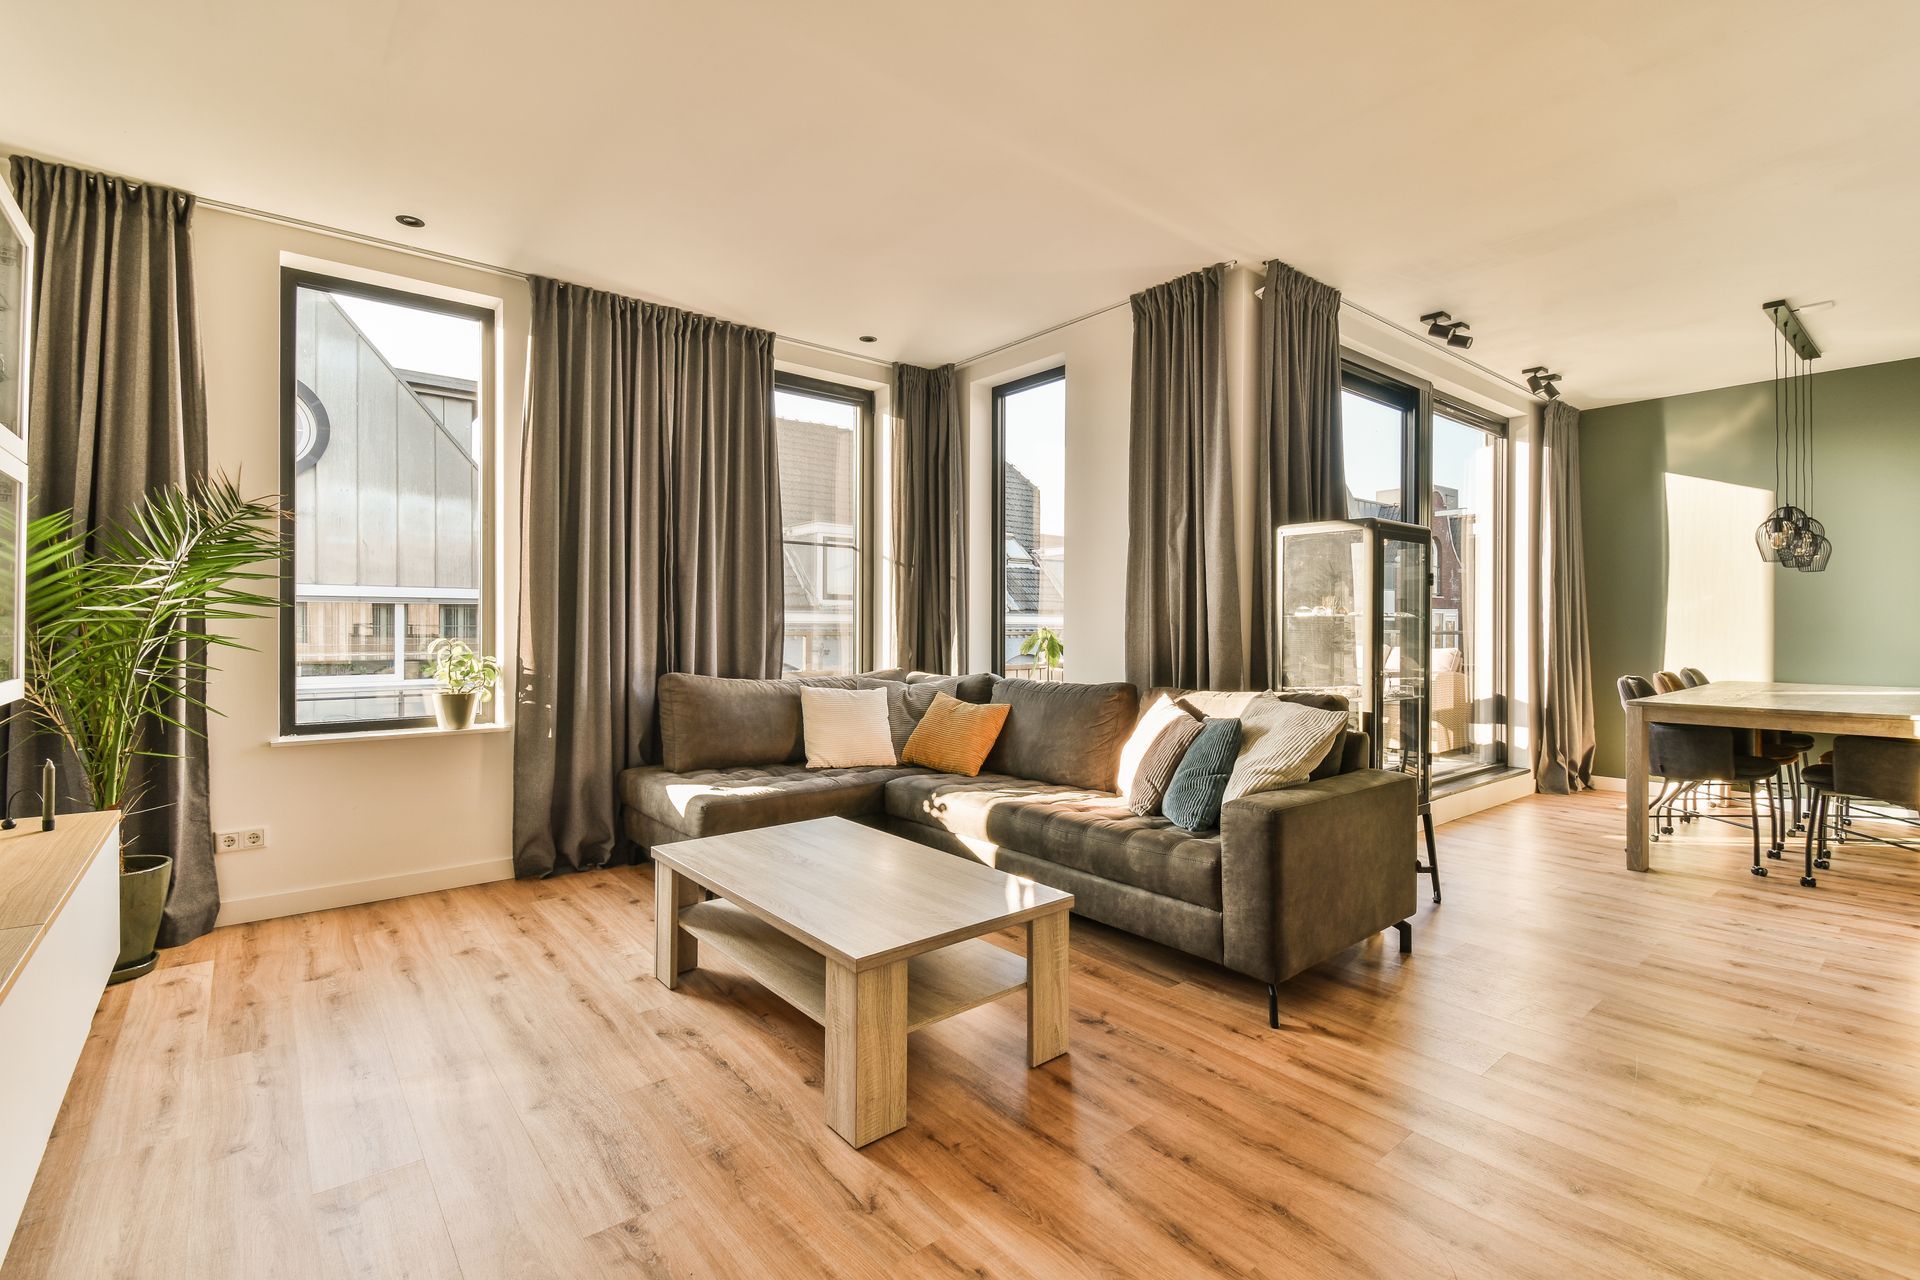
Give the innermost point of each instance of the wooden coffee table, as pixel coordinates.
(871, 936)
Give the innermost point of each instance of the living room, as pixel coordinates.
(1048, 640)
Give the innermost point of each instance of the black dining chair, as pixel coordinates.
(1883, 769)
(1783, 746)
(1684, 756)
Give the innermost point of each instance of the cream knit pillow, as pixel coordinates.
(845, 728)
(1280, 743)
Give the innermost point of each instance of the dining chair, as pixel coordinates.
(1684, 756)
(1883, 769)
(1667, 682)
(1784, 746)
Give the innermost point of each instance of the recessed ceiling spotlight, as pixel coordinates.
(409, 220)
(867, 337)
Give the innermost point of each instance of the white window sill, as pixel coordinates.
(381, 735)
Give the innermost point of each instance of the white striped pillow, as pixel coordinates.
(845, 727)
(1280, 743)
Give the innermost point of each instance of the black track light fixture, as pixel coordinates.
(1453, 332)
(1541, 382)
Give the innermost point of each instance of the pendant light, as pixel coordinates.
(1790, 536)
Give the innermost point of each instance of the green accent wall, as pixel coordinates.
(1859, 622)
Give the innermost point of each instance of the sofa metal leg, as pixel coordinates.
(1273, 1006)
(1406, 937)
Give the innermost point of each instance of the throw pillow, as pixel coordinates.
(1163, 757)
(1281, 741)
(907, 703)
(845, 728)
(1193, 797)
(1163, 712)
(955, 736)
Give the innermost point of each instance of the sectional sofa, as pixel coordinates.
(1290, 878)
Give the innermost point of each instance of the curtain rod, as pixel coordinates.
(454, 260)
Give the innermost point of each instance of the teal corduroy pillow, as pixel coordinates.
(1192, 801)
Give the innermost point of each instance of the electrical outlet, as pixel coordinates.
(236, 841)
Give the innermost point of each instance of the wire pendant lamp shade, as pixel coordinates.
(1790, 536)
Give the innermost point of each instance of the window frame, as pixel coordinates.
(292, 280)
(865, 443)
(998, 546)
(1496, 427)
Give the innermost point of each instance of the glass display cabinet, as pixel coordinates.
(1354, 601)
(16, 335)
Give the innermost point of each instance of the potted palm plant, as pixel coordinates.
(466, 680)
(120, 621)
(1047, 649)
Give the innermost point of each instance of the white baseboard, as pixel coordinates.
(1474, 799)
(351, 893)
(1601, 782)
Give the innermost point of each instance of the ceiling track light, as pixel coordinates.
(1541, 382)
(1453, 332)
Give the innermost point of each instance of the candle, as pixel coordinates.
(48, 794)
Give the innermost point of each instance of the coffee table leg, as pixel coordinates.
(1046, 988)
(866, 1051)
(674, 949)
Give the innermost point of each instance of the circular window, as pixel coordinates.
(310, 427)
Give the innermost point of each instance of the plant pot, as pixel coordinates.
(143, 896)
(455, 710)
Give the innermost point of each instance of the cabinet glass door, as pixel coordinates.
(1404, 658)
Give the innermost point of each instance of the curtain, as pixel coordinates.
(119, 410)
(1299, 470)
(929, 519)
(650, 542)
(1563, 757)
(1183, 590)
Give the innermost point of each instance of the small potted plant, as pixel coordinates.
(1047, 649)
(466, 680)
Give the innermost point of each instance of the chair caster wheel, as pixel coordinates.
(1807, 882)
(1822, 863)
(1666, 831)
(1775, 853)
(1760, 871)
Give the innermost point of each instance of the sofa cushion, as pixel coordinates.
(1148, 789)
(977, 687)
(1076, 827)
(1193, 797)
(711, 802)
(846, 728)
(712, 722)
(1068, 734)
(1227, 705)
(954, 736)
(1281, 743)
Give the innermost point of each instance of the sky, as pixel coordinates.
(1371, 431)
(1036, 442)
(415, 339)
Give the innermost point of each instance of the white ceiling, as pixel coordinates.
(1611, 190)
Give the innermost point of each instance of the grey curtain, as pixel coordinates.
(929, 519)
(119, 410)
(1183, 589)
(1299, 470)
(1563, 758)
(650, 542)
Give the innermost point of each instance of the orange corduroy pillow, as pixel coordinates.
(955, 736)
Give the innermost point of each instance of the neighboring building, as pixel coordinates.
(1035, 572)
(818, 540)
(387, 493)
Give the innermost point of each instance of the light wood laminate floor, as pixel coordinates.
(1581, 1071)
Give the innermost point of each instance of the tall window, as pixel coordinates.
(1468, 592)
(1030, 482)
(823, 442)
(1412, 459)
(384, 410)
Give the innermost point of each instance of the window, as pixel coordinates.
(384, 413)
(824, 438)
(1468, 592)
(1411, 458)
(1030, 512)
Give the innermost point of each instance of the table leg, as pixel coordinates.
(866, 1051)
(1046, 987)
(675, 951)
(1636, 788)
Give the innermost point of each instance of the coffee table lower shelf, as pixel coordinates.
(940, 983)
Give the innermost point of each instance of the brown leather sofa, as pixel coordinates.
(1291, 877)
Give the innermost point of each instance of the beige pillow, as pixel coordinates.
(1153, 720)
(1280, 743)
(1162, 760)
(845, 728)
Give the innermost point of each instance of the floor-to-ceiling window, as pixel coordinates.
(824, 438)
(1413, 458)
(1030, 511)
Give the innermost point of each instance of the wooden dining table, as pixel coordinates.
(1870, 711)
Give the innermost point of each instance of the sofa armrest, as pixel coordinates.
(1307, 871)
